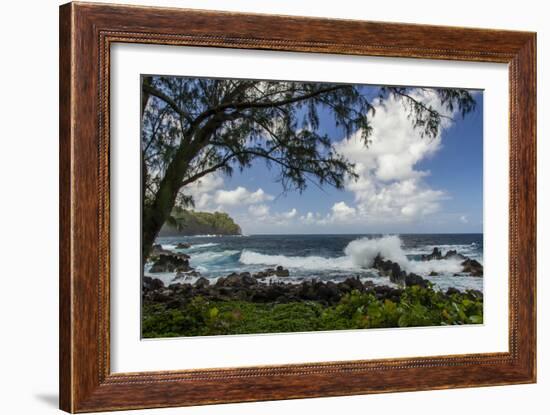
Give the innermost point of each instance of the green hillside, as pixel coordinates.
(189, 222)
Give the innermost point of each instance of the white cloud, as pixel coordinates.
(342, 212)
(202, 200)
(290, 214)
(310, 218)
(258, 210)
(390, 187)
(209, 195)
(263, 211)
(260, 218)
(201, 190)
(205, 184)
(241, 196)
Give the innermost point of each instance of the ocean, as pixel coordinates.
(328, 257)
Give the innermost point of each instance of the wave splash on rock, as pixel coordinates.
(364, 251)
(359, 254)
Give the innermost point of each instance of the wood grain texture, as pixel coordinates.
(86, 33)
(65, 138)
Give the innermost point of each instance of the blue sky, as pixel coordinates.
(407, 184)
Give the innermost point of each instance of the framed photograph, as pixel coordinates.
(260, 207)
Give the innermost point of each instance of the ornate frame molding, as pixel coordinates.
(86, 34)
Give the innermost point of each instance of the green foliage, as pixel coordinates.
(197, 126)
(188, 222)
(192, 127)
(227, 123)
(423, 116)
(416, 307)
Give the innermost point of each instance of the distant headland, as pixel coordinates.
(189, 222)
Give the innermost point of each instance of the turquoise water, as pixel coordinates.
(330, 257)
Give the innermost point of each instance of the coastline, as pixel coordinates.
(270, 300)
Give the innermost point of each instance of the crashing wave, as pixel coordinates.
(301, 262)
(359, 254)
(364, 250)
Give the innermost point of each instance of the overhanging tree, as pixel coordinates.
(192, 127)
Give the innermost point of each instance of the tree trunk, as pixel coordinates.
(144, 100)
(146, 80)
(155, 215)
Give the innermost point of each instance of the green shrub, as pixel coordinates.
(416, 307)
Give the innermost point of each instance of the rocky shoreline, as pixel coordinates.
(270, 301)
(469, 266)
(260, 288)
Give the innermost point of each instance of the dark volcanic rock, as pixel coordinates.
(232, 279)
(270, 272)
(472, 267)
(237, 280)
(162, 295)
(327, 293)
(453, 254)
(260, 274)
(383, 292)
(270, 293)
(281, 272)
(182, 276)
(369, 284)
(180, 288)
(157, 251)
(171, 263)
(398, 275)
(152, 283)
(202, 282)
(352, 284)
(436, 254)
(183, 245)
(247, 279)
(414, 279)
(246, 287)
(381, 265)
(331, 293)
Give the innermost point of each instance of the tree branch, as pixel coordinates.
(419, 103)
(173, 104)
(268, 104)
(208, 170)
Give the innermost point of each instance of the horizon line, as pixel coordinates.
(361, 233)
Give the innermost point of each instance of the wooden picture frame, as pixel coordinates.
(86, 33)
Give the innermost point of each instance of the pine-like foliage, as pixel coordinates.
(193, 126)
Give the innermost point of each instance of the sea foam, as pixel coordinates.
(359, 254)
(302, 262)
(364, 250)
